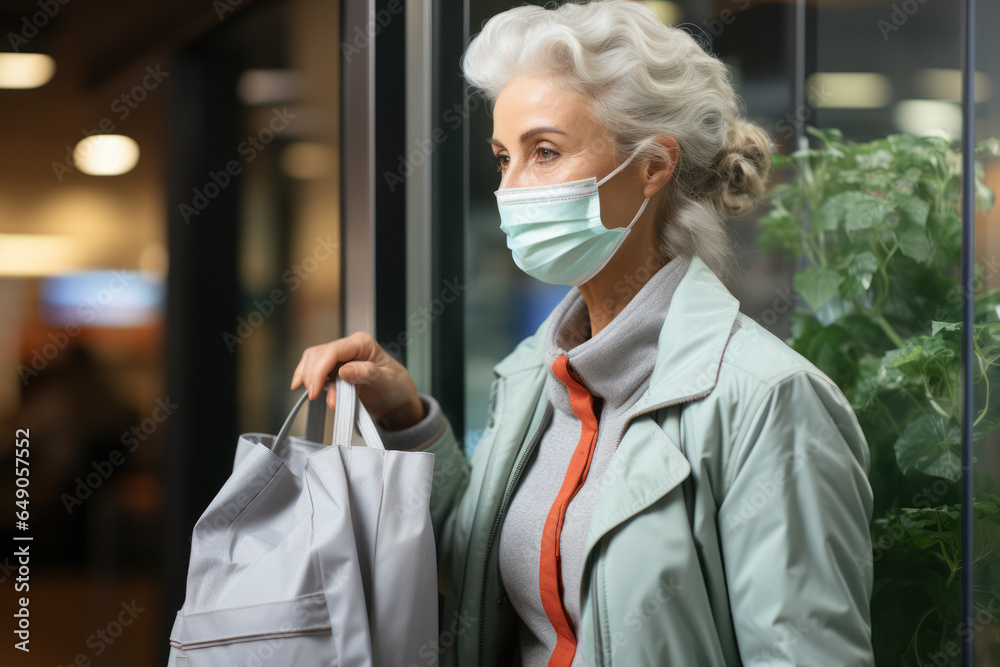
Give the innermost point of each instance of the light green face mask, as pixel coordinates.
(555, 232)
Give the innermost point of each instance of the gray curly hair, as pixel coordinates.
(641, 78)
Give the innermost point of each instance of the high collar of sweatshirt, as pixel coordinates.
(616, 363)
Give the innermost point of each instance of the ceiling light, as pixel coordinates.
(929, 117)
(268, 86)
(40, 254)
(669, 12)
(25, 70)
(849, 90)
(946, 84)
(106, 154)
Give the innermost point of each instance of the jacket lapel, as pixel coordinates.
(693, 337)
(647, 464)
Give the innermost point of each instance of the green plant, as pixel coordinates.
(880, 225)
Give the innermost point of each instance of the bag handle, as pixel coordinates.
(345, 414)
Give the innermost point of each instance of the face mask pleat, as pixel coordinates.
(533, 215)
(562, 244)
(555, 232)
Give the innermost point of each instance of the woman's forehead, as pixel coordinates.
(540, 95)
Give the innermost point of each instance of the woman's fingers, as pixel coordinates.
(383, 384)
(297, 375)
(355, 372)
(359, 372)
(318, 362)
(323, 360)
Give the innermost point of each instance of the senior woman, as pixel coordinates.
(661, 481)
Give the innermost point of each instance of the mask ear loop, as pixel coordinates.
(623, 164)
(644, 202)
(619, 168)
(617, 243)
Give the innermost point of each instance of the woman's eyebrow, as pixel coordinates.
(527, 135)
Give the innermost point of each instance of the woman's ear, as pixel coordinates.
(658, 172)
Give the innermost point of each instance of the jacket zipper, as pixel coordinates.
(496, 525)
(598, 657)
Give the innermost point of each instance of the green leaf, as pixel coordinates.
(923, 355)
(930, 186)
(829, 214)
(989, 146)
(830, 348)
(937, 326)
(783, 191)
(914, 243)
(818, 155)
(946, 230)
(779, 160)
(830, 135)
(928, 444)
(985, 198)
(854, 178)
(780, 230)
(860, 269)
(912, 209)
(902, 142)
(833, 310)
(817, 285)
(989, 506)
(990, 422)
(865, 212)
(985, 542)
(884, 379)
(879, 159)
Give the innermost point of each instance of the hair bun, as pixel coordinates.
(744, 164)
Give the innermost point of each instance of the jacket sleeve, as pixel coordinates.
(794, 529)
(419, 436)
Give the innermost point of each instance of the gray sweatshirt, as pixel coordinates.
(614, 368)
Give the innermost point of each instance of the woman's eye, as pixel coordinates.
(548, 154)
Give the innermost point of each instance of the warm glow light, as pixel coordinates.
(669, 12)
(307, 160)
(268, 86)
(106, 154)
(40, 254)
(849, 90)
(25, 70)
(929, 117)
(153, 261)
(946, 84)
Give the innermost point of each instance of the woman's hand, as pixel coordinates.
(384, 386)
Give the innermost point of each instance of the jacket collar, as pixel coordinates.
(691, 342)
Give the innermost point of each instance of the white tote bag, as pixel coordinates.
(314, 555)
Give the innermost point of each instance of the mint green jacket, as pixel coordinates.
(731, 526)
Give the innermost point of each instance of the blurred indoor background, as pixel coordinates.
(192, 192)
